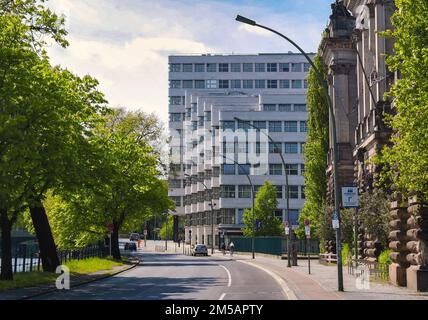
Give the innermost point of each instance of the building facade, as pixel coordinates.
(215, 104)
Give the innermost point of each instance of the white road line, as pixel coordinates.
(229, 283)
(222, 296)
(286, 290)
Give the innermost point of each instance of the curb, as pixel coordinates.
(102, 277)
(286, 290)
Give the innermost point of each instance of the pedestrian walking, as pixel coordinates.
(223, 248)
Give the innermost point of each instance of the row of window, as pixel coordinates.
(273, 126)
(244, 191)
(287, 107)
(262, 169)
(239, 67)
(238, 84)
(258, 147)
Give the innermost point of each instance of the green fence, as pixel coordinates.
(274, 245)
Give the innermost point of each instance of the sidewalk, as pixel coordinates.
(321, 284)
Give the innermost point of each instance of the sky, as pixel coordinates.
(125, 44)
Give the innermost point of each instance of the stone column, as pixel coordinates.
(417, 273)
(398, 242)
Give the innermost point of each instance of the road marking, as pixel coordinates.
(286, 290)
(229, 283)
(222, 296)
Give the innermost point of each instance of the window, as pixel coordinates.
(275, 147)
(302, 169)
(235, 84)
(290, 126)
(292, 169)
(293, 192)
(228, 125)
(303, 126)
(235, 67)
(194, 107)
(223, 84)
(201, 122)
(228, 169)
(305, 84)
(260, 84)
(302, 192)
(227, 191)
(272, 67)
(174, 183)
(175, 117)
(244, 125)
(260, 124)
(199, 84)
(296, 67)
(194, 125)
(244, 169)
(306, 67)
(175, 167)
(247, 67)
(228, 147)
(175, 100)
(175, 84)
(302, 147)
(199, 67)
(242, 147)
(187, 84)
(211, 84)
(284, 107)
(177, 201)
(174, 67)
(300, 108)
(275, 126)
(275, 169)
(279, 193)
(296, 84)
(223, 67)
(261, 170)
(260, 147)
(284, 84)
(269, 107)
(187, 67)
(260, 67)
(284, 67)
(244, 191)
(211, 67)
(248, 84)
(278, 214)
(272, 84)
(291, 147)
(207, 115)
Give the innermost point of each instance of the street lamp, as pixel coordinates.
(287, 198)
(252, 198)
(334, 143)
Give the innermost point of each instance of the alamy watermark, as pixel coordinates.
(63, 281)
(362, 280)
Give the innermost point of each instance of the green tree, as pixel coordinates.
(264, 208)
(166, 228)
(316, 149)
(408, 154)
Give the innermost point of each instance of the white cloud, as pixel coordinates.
(125, 44)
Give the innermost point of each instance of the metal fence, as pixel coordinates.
(377, 270)
(26, 257)
(274, 245)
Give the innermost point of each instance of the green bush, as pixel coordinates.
(384, 257)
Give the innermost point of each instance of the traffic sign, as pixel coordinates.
(350, 197)
(307, 222)
(335, 224)
(110, 227)
(145, 232)
(307, 230)
(285, 224)
(287, 230)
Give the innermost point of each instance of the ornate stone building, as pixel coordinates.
(354, 51)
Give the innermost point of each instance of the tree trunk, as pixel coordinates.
(6, 246)
(46, 241)
(115, 252)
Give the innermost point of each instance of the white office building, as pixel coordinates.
(216, 102)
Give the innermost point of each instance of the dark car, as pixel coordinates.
(131, 246)
(134, 237)
(200, 249)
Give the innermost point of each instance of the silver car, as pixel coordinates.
(200, 249)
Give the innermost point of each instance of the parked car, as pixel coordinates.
(131, 246)
(199, 249)
(134, 237)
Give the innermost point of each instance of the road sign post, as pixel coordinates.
(350, 200)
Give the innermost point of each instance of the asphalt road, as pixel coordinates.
(166, 276)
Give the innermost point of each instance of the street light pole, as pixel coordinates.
(334, 143)
(287, 195)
